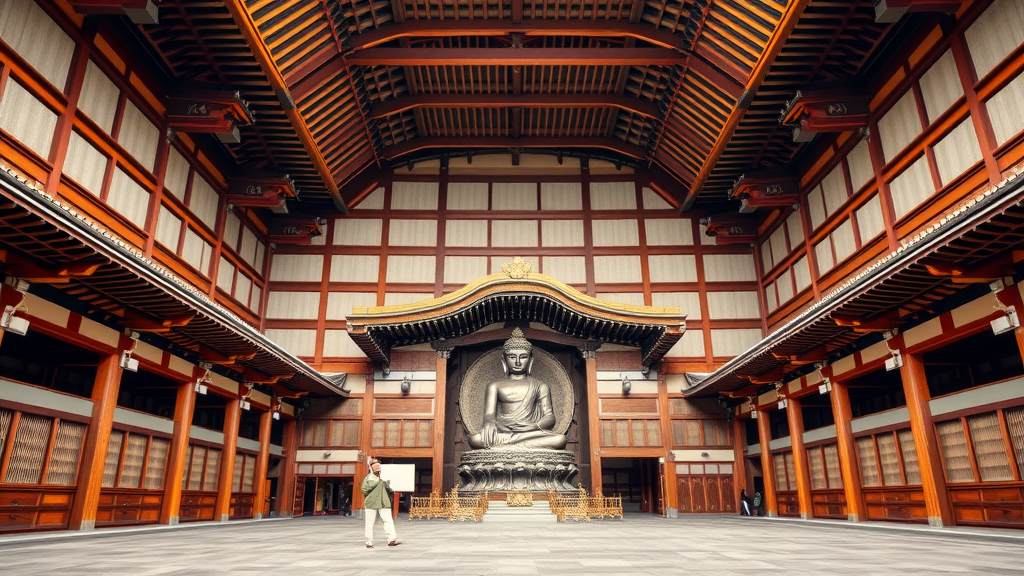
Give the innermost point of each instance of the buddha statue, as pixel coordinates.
(517, 408)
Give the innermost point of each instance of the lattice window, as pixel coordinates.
(113, 459)
(890, 460)
(716, 433)
(868, 462)
(249, 473)
(781, 479)
(64, 457)
(195, 471)
(1015, 427)
(156, 465)
(686, 432)
(911, 467)
(29, 452)
(345, 433)
(953, 442)
(134, 458)
(833, 472)
(236, 474)
(5, 427)
(212, 468)
(402, 433)
(818, 480)
(989, 448)
(315, 432)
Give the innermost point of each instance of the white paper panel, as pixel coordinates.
(225, 271)
(771, 297)
(733, 342)
(630, 298)
(414, 195)
(816, 207)
(128, 198)
(612, 196)
(899, 126)
(957, 152)
(705, 240)
(27, 119)
(138, 135)
(514, 196)
(176, 174)
(859, 162)
(940, 86)
(995, 34)
(561, 233)
(561, 196)
(300, 268)
(232, 226)
(464, 269)
(802, 273)
(673, 268)
(203, 202)
(784, 286)
(833, 188)
(85, 164)
(338, 344)
(199, 254)
(242, 285)
(733, 305)
(373, 201)
(340, 304)
(357, 231)
(498, 261)
(168, 229)
(687, 302)
(912, 187)
(258, 259)
(248, 249)
(823, 255)
(421, 269)
(399, 298)
(465, 233)
(795, 227)
(843, 240)
(1005, 111)
(652, 201)
(616, 233)
(298, 342)
(870, 220)
(254, 299)
(514, 233)
(777, 241)
(617, 269)
(412, 233)
(568, 269)
(691, 345)
(293, 305)
(669, 232)
(765, 249)
(98, 99)
(467, 196)
(354, 268)
(38, 39)
(729, 268)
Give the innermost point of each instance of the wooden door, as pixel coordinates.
(728, 494)
(300, 497)
(714, 496)
(683, 492)
(266, 498)
(697, 493)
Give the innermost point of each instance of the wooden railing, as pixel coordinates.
(582, 506)
(453, 507)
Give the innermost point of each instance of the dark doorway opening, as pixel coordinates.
(638, 480)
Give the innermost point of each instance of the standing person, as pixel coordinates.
(378, 495)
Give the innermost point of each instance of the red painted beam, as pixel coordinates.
(416, 144)
(515, 57)
(403, 103)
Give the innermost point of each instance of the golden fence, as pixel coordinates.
(453, 507)
(582, 506)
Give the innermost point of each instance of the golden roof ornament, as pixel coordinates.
(517, 269)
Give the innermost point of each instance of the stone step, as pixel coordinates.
(540, 512)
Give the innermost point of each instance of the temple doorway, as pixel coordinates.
(327, 495)
(637, 480)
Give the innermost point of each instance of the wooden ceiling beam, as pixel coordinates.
(586, 28)
(882, 323)
(403, 103)
(962, 273)
(515, 57)
(397, 151)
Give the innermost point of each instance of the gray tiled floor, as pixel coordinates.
(639, 545)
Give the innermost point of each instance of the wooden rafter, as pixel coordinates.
(410, 146)
(515, 57)
(398, 105)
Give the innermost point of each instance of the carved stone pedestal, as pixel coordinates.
(517, 469)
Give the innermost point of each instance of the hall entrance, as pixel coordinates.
(637, 480)
(320, 495)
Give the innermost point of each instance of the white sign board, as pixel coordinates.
(402, 476)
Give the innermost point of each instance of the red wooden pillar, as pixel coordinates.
(184, 407)
(933, 479)
(444, 351)
(796, 438)
(668, 467)
(594, 420)
(232, 417)
(286, 479)
(366, 435)
(90, 474)
(262, 461)
(739, 475)
(843, 414)
(764, 433)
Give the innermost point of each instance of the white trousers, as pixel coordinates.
(389, 524)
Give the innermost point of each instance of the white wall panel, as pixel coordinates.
(1005, 111)
(777, 242)
(616, 233)
(687, 302)
(957, 152)
(612, 196)
(247, 249)
(691, 345)
(629, 298)
(412, 233)
(870, 221)
(514, 233)
(816, 207)
(465, 233)
(771, 297)
(301, 268)
(203, 202)
(833, 188)
(373, 201)
(293, 305)
(514, 196)
(617, 269)
(414, 195)
(673, 268)
(298, 342)
(912, 187)
(795, 227)
(802, 273)
(996, 33)
(353, 267)
(940, 86)
(561, 233)
(467, 196)
(464, 269)
(26, 28)
(225, 270)
(899, 126)
(358, 231)
(340, 304)
(26, 118)
(843, 240)
(420, 269)
(653, 201)
(199, 253)
(733, 342)
(128, 198)
(399, 298)
(168, 229)
(767, 260)
(859, 161)
(232, 227)
(823, 255)
(85, 164)
(176, 174)
(98, 99)
(242, 286)
(138, 135)
(784, 286)
(669, 231)
(561, 196)
(568, 269)
(338, 344)
(733, 305)
(729, 268)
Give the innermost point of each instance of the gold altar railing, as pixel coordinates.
(452, 506)
(582, 506)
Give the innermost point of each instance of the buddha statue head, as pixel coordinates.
(517, 355)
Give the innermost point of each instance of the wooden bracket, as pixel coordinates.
(730, 228)
(255, 190)
(889, 11)
(210, 112)
(298, 230)
(766, 189)
(212, 356)
(811, 112)
(35, 272)
(886, 321)
(959, 273)
(145, 323)
(138, 11)
(819, 354)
